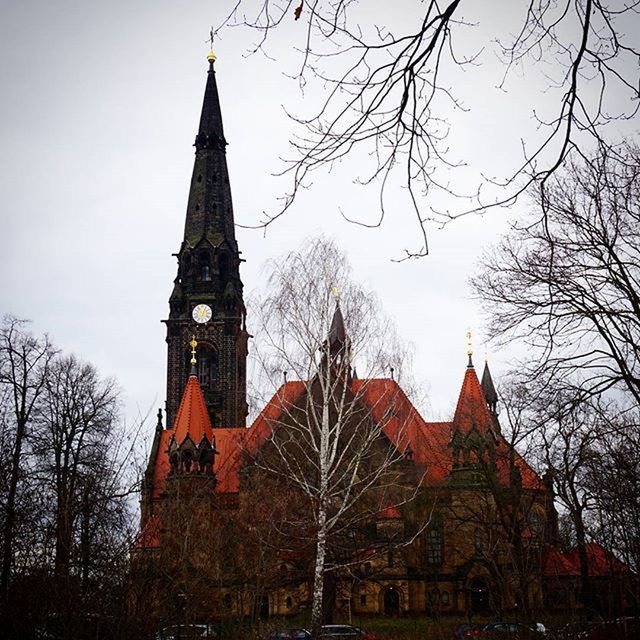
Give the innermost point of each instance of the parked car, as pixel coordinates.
(510, 630)
(188, 632)
(619, 629)
(289, 633)
(346, 632)
(467, 631)
(572, 630)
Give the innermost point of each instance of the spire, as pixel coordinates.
(192, 447)
(488, 389)
(337, 334)
(471, 411)
(193, 418)
(210, 210)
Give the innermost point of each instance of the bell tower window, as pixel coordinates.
(207, 365)
(205, 267)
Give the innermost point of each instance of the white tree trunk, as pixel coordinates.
(318, 575)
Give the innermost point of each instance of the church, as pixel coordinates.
(479, 534)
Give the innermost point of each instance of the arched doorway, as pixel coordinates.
(479, 595)
(391, 602)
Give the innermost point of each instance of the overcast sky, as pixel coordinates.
(100, 107)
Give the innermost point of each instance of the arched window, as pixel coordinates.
(433, 545)
(478, 540)
(207, 365)
(204, 263)
(536, 521)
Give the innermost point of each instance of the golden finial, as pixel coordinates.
(469, 346)
(193, 344)
(211, 57)
(336, 292)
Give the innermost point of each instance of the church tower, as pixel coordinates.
(206, 301)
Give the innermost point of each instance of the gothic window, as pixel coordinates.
(536, 521)
(433, 544)
(477, 540)
(207, 365)
(205, 267)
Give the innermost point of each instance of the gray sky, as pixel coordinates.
(99, 112)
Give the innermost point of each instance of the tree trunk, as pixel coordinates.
(9, 523)
(318, 574)
(585, 583)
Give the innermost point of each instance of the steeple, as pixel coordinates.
(337, 334)
(488, 389)
(206, 302)
(209, 209)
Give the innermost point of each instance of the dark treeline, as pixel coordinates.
(67, 476)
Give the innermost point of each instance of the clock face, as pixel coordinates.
(202, 313)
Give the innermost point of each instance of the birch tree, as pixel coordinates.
(321, 332)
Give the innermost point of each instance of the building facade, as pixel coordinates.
(479, 533)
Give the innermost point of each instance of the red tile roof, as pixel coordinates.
(390, 513)
(426, 443)
(149, 537)
(600, 562)
(192, 418)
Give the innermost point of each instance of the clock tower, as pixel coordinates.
(206, 301)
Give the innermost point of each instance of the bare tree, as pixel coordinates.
(77, 415)
(567, 287)
(330, 445)
(389, 81)
(24, 361)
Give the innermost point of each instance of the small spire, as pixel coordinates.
(193, 344)
(159, 426)
(488, 388)
(337, 334)
(469, 348)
